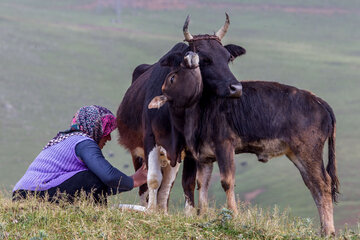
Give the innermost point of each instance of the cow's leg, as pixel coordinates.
(144, 194)
(311, 166)
(169, 175)
(189, 182)
(225, 156)
(137, 162)
(154, 177)
(203, 176)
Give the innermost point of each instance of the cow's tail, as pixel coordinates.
(331, 167)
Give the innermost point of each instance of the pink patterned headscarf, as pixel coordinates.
(108, 124)
(91, 121)
(95, 121)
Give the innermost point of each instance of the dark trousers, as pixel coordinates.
(85, 181)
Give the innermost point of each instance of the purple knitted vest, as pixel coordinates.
(53, 166)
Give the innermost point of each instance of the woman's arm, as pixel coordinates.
(91, 155)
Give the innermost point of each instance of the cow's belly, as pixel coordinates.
(264, 149)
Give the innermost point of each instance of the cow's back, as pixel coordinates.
(139, 70)
(129, 114)
(266, 110)
(277, 110)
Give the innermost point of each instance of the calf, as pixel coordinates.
(269, 120)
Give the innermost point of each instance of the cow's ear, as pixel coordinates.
(157, 102)
(171, 60)
(235, 50)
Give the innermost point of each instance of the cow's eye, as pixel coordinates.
(207, 61)
(172, 79)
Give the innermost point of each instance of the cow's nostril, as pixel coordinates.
(235, 90)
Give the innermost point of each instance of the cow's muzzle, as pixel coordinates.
(235, 90)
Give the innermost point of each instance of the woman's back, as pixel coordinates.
(53, 165)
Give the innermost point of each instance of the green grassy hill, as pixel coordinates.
(56, 56)
(39, 220)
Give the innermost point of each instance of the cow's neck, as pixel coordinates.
(192, 128)
(204, 112)
(185, 121)
(178, 117)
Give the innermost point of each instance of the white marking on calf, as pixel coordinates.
(154, 176)
(161, 177)
(169, 175)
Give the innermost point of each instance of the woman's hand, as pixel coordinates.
(140, 176)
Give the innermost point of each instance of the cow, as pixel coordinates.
(149, 135)
(269, 119)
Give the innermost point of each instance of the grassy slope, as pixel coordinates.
(84, 220)
(55, 58)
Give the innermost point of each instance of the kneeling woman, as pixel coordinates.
(72, 161)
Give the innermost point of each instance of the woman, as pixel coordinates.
(73, 161)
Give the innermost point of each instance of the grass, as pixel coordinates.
(38, 219)
(55, 58)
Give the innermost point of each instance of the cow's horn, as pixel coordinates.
(187, 34)
(222, 31)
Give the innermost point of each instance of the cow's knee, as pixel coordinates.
(154, 180)
(225, 185)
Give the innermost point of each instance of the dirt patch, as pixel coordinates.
(249, 196)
